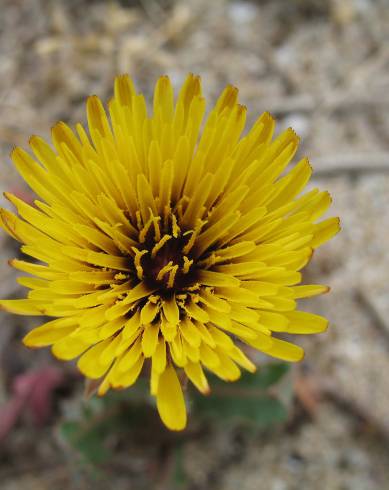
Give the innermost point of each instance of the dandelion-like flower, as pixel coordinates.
(162, 249)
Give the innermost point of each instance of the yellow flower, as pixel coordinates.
(164, 250)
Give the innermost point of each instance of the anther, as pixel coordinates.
(119, 276)
(154, 299)
(137, 261)
(164, 270)
(145, 229)
(159, 245)
(172, 275)
(199, 224)
(175, 228)
(157, 229)
(187, 264)
(208, 262)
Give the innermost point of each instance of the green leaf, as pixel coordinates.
(245, 400)
(265, 377)
(99, 418)
(89, 443)
(262, 411)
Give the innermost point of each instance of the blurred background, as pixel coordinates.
(321, 67)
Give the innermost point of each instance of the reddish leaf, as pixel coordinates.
(32, 393)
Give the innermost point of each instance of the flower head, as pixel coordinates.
(162, 249)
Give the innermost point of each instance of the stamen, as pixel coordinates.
(181, 302)
(199, 224)
(164, 270)
(138, 255)
(175, 228)
(208, 262)
(157, 229)
(195, 287)
(190, 243)
(154, 299)
(159, 245)
(172, 275)
(120, 275)
(187, 264)
(139, 272)
(144, 231)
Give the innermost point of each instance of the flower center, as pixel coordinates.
(163, 259)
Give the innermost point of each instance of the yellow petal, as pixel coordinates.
(148, 312)
(324, 231)
(110, 328)
(243, 315)
(226, 369)
(191, 353)
(130, 357)
(190, 332)
(124, 89)
(210, 278)
(208, 356)
(284, 350)
(305, 323)
(150, 339)
(50, 332)
(196, 374)
(171, 311)
(169, 331)
(89, 363)
(196, 312)
(163, 99)
(154, 381)
(109, 353)
(170, 400)
(204, 333)
(213, 301)
(308, 290)
(235, 251)
(159, 357)
(129, 376)
(177, 351)
(97, 118)
(132, 325)
(221, 339)
(240, 358)
(68, 348)
(273, 321)
(261, 342)
(22, 306)
(139, 291)
(242, 268)
(246, 333)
